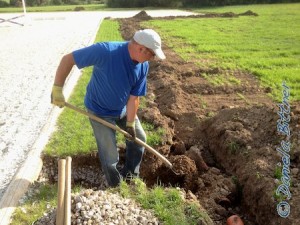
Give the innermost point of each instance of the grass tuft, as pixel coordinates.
(34, 207)
(164, 202)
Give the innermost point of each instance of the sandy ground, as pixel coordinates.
(29, 57)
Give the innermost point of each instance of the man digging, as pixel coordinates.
(119, 77)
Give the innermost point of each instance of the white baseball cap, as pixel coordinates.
(150, 39)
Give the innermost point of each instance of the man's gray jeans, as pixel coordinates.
(107, 149)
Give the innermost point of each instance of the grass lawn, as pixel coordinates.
(267, 45)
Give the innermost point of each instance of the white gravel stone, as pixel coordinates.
(99, 213)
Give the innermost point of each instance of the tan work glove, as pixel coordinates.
(57, 96)
(130, 129)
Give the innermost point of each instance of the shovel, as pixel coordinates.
(116, 128)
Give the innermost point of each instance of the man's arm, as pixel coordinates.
(65, 66)
(132, 107)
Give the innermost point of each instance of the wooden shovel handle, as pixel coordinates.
(116, 128)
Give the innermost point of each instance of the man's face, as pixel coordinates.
(145, 54)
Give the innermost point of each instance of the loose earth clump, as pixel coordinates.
(183, 165)
(224, 154)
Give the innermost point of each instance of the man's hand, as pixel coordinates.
(57, 96)
(130, 128)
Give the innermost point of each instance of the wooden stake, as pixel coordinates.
(67, 210)
(61, 192)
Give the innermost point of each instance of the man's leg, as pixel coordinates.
(134, 152)
(107, 149)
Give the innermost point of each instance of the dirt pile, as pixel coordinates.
(142, 16)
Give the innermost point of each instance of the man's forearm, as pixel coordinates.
(65, 66)
(132, 107)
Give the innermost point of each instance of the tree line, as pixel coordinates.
(143, 3)
(188, 3)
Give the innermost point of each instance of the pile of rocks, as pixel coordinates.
(103, 208)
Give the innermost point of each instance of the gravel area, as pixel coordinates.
(29, 57)
(101, 208)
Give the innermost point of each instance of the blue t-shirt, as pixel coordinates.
(115, 77)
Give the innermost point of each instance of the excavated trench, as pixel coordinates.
(223, 146)
(226, 179)
(194, 174)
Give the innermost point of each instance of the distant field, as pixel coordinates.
(267, 45)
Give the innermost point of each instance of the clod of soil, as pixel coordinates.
(183, 165)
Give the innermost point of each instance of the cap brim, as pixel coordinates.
(159, 53)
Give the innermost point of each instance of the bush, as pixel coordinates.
(164, 3)
(230, 2)
(79, 8)
(13, 2)
(142, 3)
(3, 3)
(57, 2)
(31, 2)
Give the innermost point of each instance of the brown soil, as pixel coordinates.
(222, 145)
(234, 151)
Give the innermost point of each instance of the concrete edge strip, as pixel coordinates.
(32, 166)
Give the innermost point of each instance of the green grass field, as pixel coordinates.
(267, 45)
